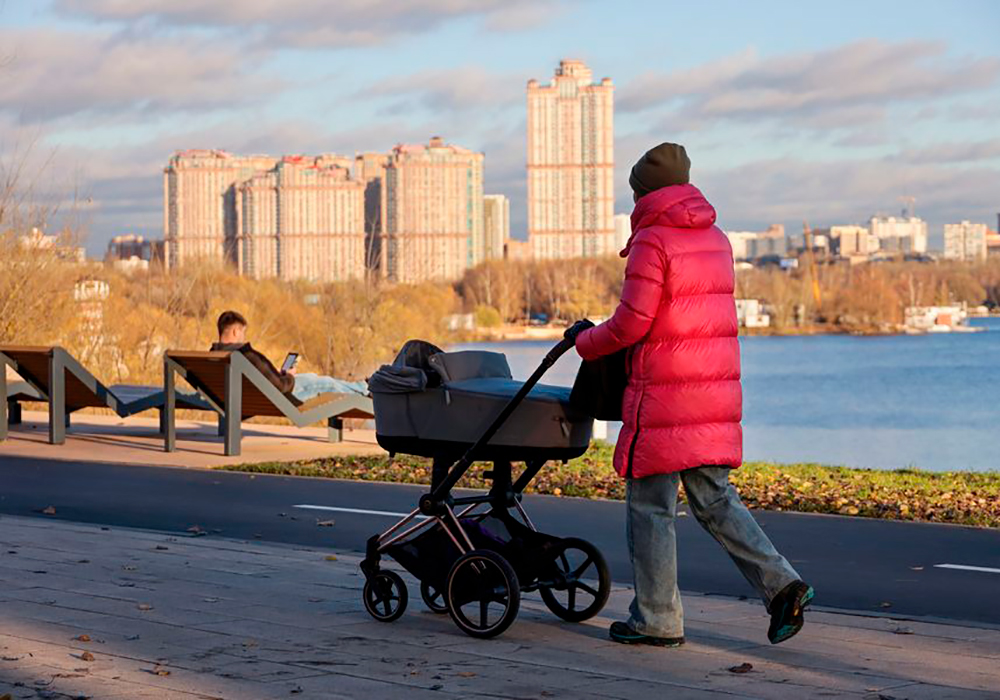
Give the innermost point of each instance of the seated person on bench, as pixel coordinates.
(232, 336)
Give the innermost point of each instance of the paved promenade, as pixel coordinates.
(137, 440)
(91, 611)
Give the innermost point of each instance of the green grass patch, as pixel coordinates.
(963, 498)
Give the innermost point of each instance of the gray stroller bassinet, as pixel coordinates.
(436, 404)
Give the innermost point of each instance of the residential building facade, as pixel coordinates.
(370, 168)
(496, 225)
(854, 240)
(751, 245)
(434, 212)
(623, 231)
(303, 219)
(571, 164)
(199, 212)
(899, 234)
(965, 241)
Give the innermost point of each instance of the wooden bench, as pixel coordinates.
(54, 376)
(238, 391)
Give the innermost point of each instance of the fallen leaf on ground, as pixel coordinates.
(916, 568)
(210, 600)
(902, 630)
(144, 606)
(86, 656)
(132, 637)
(82, 638)
(742, 668)
(162, 548)
(325, 523)
(196, 530)
(466, 674)
(83, 561)
(885, 605)
(128, 567)
(49, 510)
(331, 557)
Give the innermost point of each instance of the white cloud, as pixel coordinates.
(53, 73)
(847, 85)
(315, 23)
(455, 90)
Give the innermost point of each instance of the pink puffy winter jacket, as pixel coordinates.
(683, 404)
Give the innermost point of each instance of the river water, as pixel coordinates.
(930, 401)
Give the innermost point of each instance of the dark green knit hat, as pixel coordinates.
(667, 164)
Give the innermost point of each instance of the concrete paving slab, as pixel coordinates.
(248, 620)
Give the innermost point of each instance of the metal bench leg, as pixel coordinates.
(6, 406)
(234, 410)
(57, 400)
(335, 429)
(221, 428)
(168, 422)
(14, 416)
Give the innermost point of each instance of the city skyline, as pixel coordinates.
(832, 113)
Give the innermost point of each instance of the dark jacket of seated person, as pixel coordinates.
(282, 380)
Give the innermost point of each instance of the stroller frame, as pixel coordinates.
(385, 592)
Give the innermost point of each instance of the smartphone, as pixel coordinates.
(289, 363)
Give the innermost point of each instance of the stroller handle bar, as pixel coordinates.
(458, 469)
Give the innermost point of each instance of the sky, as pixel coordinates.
(790, 111)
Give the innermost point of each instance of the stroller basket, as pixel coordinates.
(430, 555)
(459, 408)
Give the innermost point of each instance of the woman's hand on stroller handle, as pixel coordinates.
(578, 328)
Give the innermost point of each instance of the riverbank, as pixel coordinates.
(961, 498)
(509, 333)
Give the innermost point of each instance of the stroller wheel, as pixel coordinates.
(433, 598)
(568, 589)
(483, 593)
(385, 596)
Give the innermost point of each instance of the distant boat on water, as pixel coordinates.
(920, 320)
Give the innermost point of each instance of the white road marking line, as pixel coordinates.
(966, 567)
(359, 511)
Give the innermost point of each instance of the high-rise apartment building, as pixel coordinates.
(571, 164)
(303, 219)
(496, 225)
(906, 234)
(199, 212)
(434, 212)
(965, 241)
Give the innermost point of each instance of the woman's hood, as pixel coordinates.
(678, 206)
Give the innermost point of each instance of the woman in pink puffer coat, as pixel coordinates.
(683, 404)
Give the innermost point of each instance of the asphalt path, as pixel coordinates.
(854, 563)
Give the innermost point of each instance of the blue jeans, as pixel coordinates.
(652, 509)
(309, 386)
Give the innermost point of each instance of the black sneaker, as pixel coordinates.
(786, 611)
(623, 634)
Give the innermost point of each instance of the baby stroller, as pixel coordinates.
(458, 408)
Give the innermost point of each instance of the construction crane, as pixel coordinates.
(811, 261)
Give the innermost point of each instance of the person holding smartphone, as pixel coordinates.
(232, 327)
